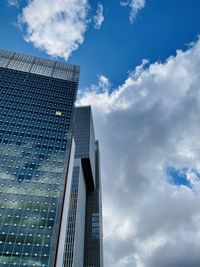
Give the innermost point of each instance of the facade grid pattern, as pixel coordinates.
(33, 158)
(71, 227)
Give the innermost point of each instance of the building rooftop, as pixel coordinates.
(45, 67)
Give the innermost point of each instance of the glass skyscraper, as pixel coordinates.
(84, 234)
(43, 179)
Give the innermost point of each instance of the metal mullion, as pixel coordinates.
(9, 232)
(36, 230)
(21, 218)
(27, 228)
(49, 211)
(39, 254)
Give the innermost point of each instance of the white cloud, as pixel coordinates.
(99, 17)
(57, 27)
(135, 5)
(13, 2)
(149, 122)
(103, 82)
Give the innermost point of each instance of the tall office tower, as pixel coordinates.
(36, 158)
(84, 234)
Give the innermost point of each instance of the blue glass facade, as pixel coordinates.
(71, 229)
(84, 137)
(76, 220)
(36, 117)
(93, 254)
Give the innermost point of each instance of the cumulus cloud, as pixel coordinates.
(99, 17)
(135, 5)
(145, 125)
(57, 27)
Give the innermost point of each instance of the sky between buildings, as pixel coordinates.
(140, 63)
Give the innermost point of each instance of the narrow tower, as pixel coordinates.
(84, 234)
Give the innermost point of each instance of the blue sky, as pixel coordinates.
(118, 46)
(178, 177)
(146, 113)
